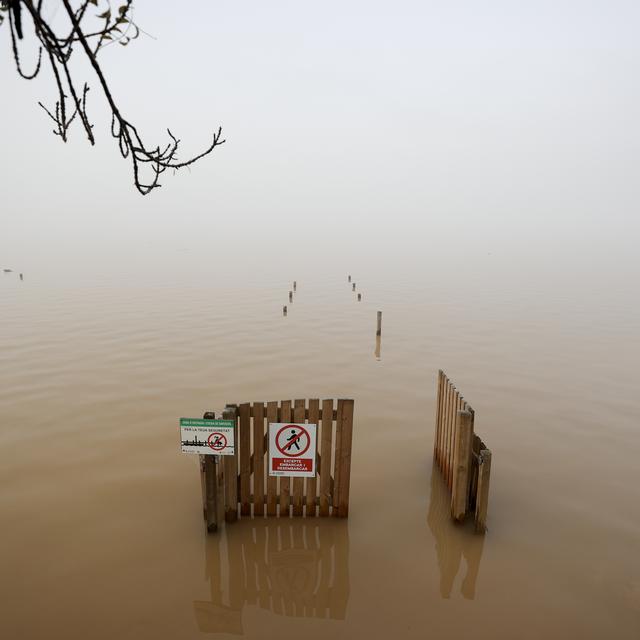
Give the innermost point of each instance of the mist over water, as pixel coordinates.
(473, 169)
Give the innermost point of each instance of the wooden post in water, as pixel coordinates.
(231, 472)
(210, 485)
(379, 327)
(290, 296)
(359, 297)
(295, 285)
(349, 279)
(284, 310)
(482, 497)
(353, 288)
(461, 465)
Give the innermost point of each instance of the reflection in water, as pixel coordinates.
(292, 568)
(452, 541)
(378, 344)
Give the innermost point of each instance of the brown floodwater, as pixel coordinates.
(100, 513)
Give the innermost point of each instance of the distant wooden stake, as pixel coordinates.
(461, 465)
(359, 297)
(482, 497)
(290, 296)
(379, 329)
(349, 280)
(284, 310)
(295, 285)
(353, 288)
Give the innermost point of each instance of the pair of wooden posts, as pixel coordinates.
(463, 459)
(240, 485)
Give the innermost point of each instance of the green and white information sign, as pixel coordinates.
(207, 437)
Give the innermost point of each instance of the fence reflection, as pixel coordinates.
(292, 568)
(453, 541)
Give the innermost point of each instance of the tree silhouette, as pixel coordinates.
(71, 105)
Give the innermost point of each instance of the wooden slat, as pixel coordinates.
(461, 470)
(245, 458)
(446, 401)
(314, 418)
(452, 431)
(439, 410)
(231, 473)
(343, 455)
(272, 481)
(336, 463)
(285, 490)
(325, 452)
(482, 499)
(298, 483)
(258, 458)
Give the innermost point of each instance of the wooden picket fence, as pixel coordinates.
(250, 491)
(463, 459)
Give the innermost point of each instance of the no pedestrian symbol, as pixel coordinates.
(292, 449)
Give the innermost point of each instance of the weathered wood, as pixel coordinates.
(436, 438)
(211, 484)
(446, 403)
(231, 472)
(461, 471)
(285, 484)
(245, 458)
(482, 499)
(272, 481)
(258, 456)
(314, 413)
(379, 323)
(325, 456)
(298, 483)
(343, 455)
(336, 463)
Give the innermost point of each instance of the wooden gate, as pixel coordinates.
(464, 460)
(248, 490)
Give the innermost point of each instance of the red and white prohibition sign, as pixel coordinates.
(217, 441)
(292, 449)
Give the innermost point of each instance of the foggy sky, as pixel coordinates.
(367, 127)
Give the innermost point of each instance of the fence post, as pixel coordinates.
(209, 485)
(461, 465)
(231, 472)
(482, 498)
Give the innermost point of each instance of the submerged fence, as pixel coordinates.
(463, 459)
(240, 483)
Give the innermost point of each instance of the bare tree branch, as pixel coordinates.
(119, 27)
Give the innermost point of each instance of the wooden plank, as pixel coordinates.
(325, 452)
(258, 458)
(343, 455)
(314, 418)
(231, 472)
(334, 413)
(482, 499)
(272, 481)
(437, 445)
(298, 483)
(444, 439)
(452, 430)
(461, 470)
(285, 483)
(336, 462)
(245, 458)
